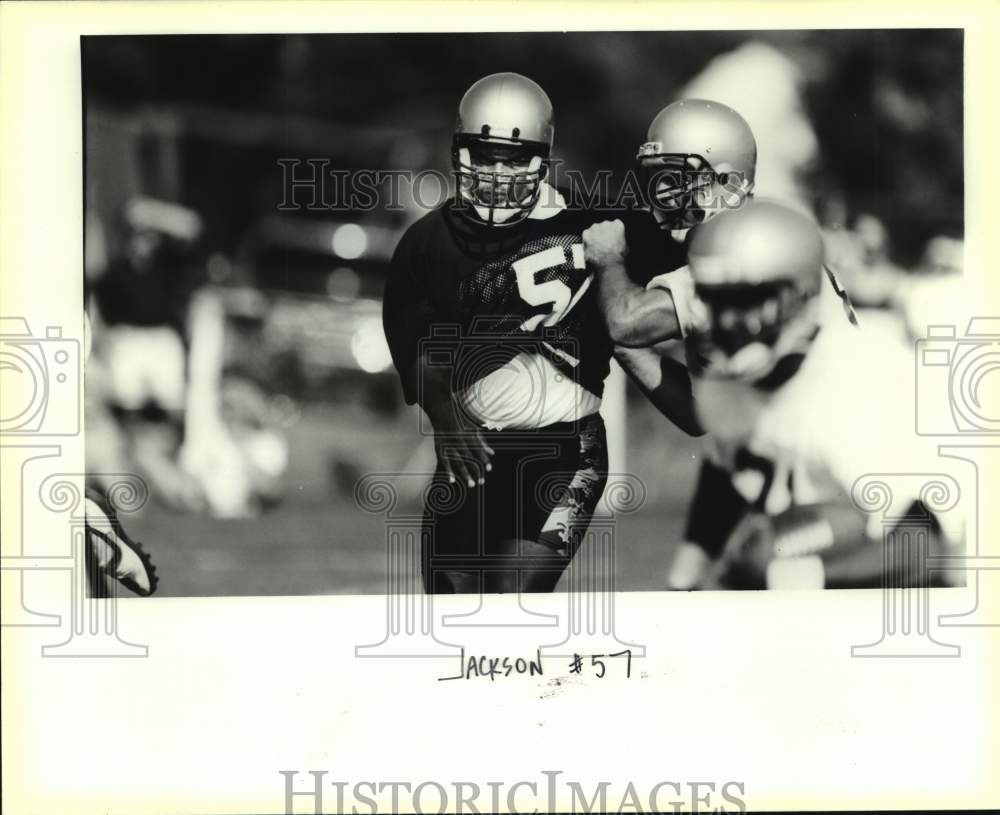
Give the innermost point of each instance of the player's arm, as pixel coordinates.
(461, 448)
(635, 317)
(407, 318)
(664, 382)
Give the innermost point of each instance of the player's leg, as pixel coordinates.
(530, 567)
(558, 494)
(452, 537)
(464, 526)
(716, 508)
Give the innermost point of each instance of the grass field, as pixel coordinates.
(318, 541)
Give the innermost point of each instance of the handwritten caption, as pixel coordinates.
(597, 665)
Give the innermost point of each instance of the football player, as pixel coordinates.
(798, 404)
(699, 159)
(495, 329)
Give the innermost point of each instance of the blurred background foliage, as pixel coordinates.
(885, 105)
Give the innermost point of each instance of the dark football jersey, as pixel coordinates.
(652, 251)
(158, 296)
(463, 288)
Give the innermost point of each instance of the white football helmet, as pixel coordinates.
(501, 148)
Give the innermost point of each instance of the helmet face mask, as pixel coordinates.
(749, 333)
(501, 182)
(742, 314)
(684, 190)
(758, 272)
(501, 148)
(699, 159)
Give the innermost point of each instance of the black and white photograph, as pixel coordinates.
(665, 281)
(498, 407)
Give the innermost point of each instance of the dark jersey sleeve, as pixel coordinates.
(651, 250)
(406, 312)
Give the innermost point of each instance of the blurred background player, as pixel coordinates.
(680, 139)
(798, 402)
(234, 443)
(699, 159)
(137, 376)
(162, 396)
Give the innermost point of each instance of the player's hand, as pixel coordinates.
(604, 243)
(461, 449)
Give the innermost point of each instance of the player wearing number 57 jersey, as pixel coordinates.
(519, 292)
(494, 326)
